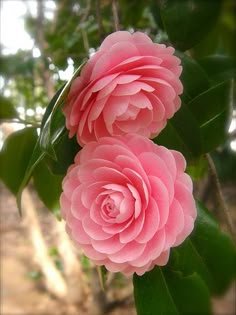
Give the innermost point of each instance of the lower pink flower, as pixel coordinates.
(126, 201)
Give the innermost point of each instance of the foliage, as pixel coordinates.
(202, 33)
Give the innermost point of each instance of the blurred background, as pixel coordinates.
(42, 43)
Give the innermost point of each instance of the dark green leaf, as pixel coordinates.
(182, 133)
(193, 77)
(51, 105)
(52, 130)
(14, 157)
(216, 249)
(209, 252)
(201, 125)
(210, 103)
(210, 45)
(65, 149)
(163, 291)
(211, 109)
(37, 156)
(219, 68)
(188, 22)
(48, 186)
(32, 161)
(54, 123)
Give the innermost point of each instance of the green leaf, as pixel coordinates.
(53, 123)
(48, 187)
(182, 133)
(163, 291)
(37, 156)
(216, 249)
(14, 157)
(52, 131)
(188, 22)
(7, 109)
(219, 68)
(207, 251)
(201, 124)
(211, 109)
(32, 161)
(193, 77)
(65, 150)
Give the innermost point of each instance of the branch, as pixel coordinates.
(99, 20)
(213, 174)
(115, 13)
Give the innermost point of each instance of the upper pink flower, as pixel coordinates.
(129, 85)
(126, 201)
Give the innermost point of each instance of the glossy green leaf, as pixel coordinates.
(53, 122)
(188, 22)
(193, 77)
(209, 252)
(201, 124)
(182, 133)
(210, 103)
(219, 68)
(163, 291)
(211, 109)
(48, 186)
(52, 131)
(65, 150)
(36, 157)
(14, 157)
(216, 249)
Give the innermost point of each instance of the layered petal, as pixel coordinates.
(126, 201)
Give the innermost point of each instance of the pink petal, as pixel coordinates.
(161, 196)
(131, 232)
(109, 246)
(151, 223)
(129, 252)
(115, 37)
(94, 230)
(152, 251)
(154, 166)
(132, 88)
(185, 199)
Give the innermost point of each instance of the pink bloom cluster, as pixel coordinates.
(126, 201)
(130, 85)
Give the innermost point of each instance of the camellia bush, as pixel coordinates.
(116, 147)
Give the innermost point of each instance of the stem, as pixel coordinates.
(213, 174)
(115, 14)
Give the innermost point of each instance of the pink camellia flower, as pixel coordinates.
(126, 201)
(130, 85)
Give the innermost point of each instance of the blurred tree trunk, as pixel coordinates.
(54, 281)
(46, 77)
(75, 278)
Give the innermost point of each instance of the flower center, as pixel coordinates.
(109, 209)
